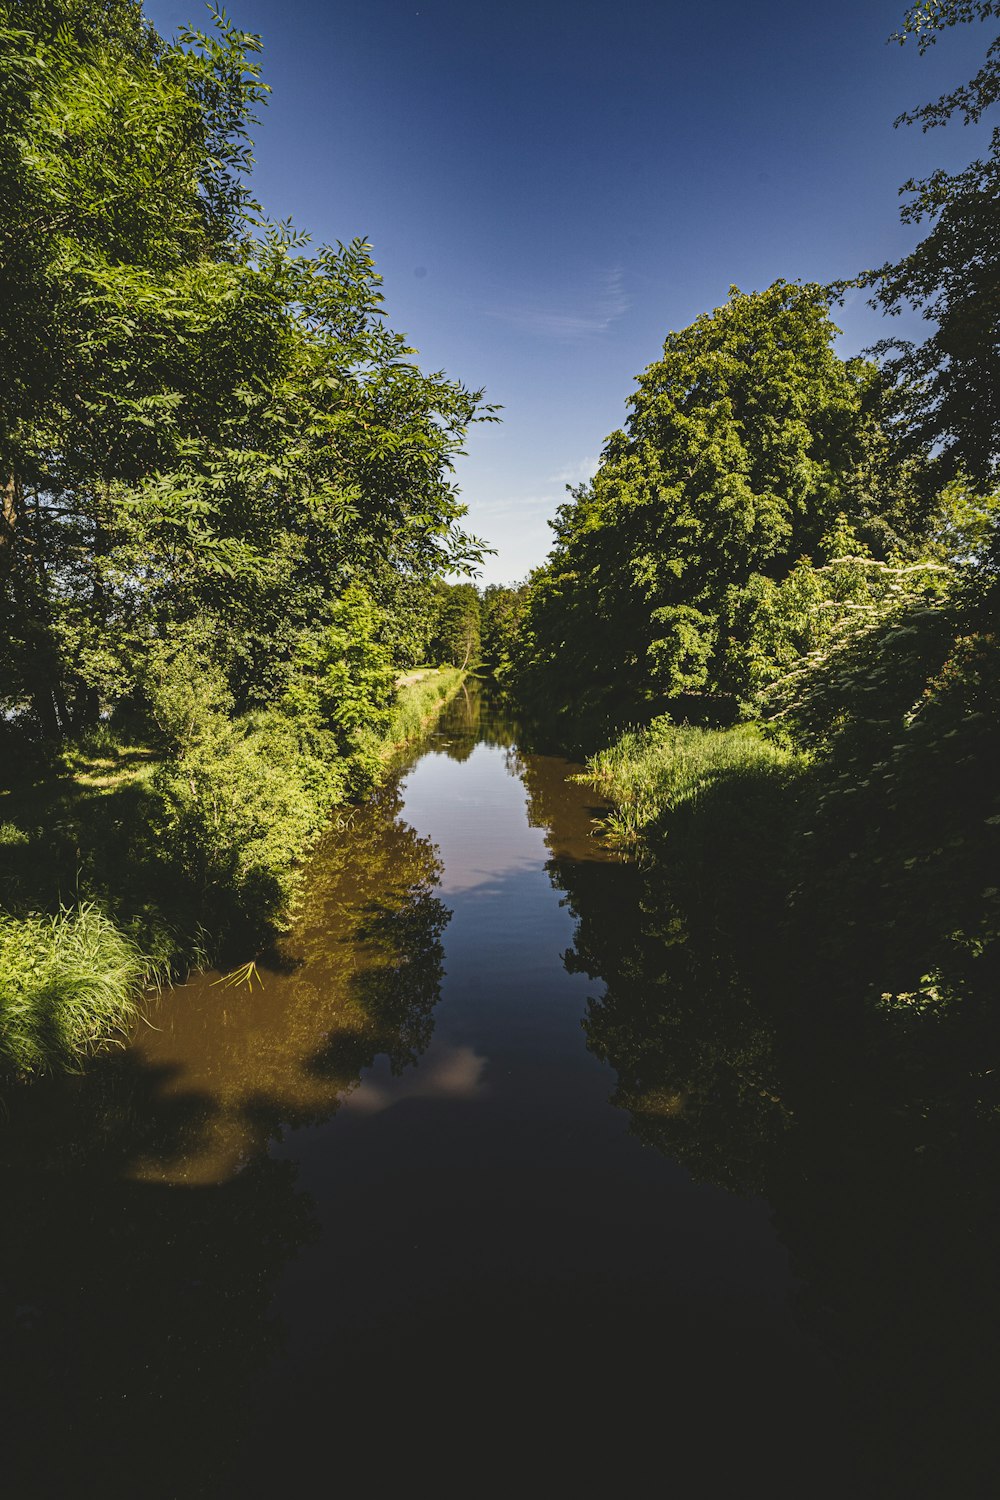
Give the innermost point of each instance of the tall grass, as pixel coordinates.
(418, 703)
(647, 774)
(68, 983)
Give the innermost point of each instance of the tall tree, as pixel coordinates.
(502, 613)
(130, 311)
(457, 631)
(202, 416)
(950, 382)
(749, 444)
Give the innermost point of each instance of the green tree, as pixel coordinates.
(130, 312)
(345, 679)
(204, 418)
(456, 637)
(949, 383)
(502, 611)
(749, 445)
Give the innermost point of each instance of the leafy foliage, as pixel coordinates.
(949, 383)
(750, 446)
(457, 637)
(502, 617)
(203, 419)
(344, 676)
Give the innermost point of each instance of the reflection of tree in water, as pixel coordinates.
(369, 942)
(475, 716)
(746, 1049)
(146, 1225)
(359, 977)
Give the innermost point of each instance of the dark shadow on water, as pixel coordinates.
(123, 1301)
(750, 1045)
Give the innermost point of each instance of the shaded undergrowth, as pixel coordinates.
(649, 774)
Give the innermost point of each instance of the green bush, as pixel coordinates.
(185, 691)
(67, 983)
(344, 675)
(237, 812)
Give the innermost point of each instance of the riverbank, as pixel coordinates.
(123, 869)
(886, 829)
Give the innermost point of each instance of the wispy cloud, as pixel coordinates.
(518, 503)
(576, 473)
(608, 302)
(536, 507)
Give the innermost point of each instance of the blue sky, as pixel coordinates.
(551, 187)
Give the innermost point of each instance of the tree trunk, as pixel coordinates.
(10, 507)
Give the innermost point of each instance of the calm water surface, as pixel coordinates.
(377, 1222)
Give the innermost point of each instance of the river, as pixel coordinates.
(387, 1216)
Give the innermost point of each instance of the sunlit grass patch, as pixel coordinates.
(109, 766)
(68, 983)
(649, 773)
(417, 702)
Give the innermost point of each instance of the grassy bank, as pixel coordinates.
(420, 697)
(867, 858)
(650, 774)
(121, 866)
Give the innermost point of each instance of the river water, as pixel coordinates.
(386, 1217)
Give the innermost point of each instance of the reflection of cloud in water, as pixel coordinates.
(445, 1073)
(459, 876)
(477, 819)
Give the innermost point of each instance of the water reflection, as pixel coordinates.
(746, 1049)
(445, 1073)
(358, 979)
(146, 1223)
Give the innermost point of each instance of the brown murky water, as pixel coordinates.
(376, 1222)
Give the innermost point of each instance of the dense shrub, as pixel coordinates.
(236, 813)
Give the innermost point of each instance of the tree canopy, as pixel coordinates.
(949, 383)
(202, 416)
(749, 445)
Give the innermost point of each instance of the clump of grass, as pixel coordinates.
(415, 707)
(647, 774)
(418, 702)
(68, 983)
